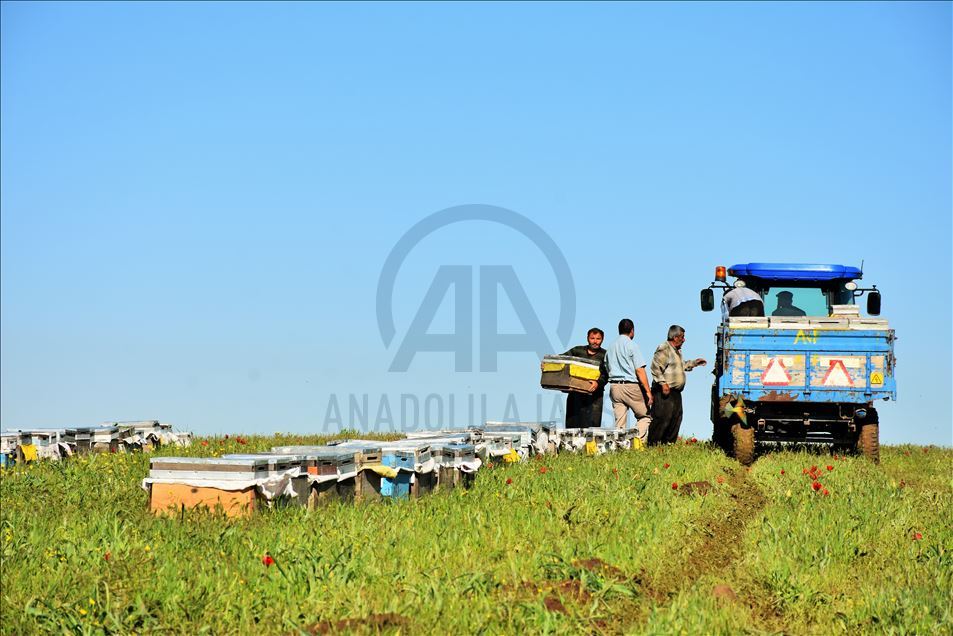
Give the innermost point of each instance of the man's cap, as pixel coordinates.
(785, 293)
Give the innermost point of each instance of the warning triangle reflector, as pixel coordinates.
(775, 374)
(837, 375)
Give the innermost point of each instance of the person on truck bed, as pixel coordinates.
(742, 301)
(786, 306)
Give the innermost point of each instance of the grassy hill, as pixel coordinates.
(564, 544)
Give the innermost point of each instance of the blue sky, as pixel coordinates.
(197, 199)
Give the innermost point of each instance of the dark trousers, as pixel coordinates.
(584, 410)
(666, 416)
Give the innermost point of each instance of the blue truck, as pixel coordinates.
(800, 363)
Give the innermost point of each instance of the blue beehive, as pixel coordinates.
(397, 487)
(9, 441)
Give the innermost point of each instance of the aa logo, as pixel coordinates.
(466, 285)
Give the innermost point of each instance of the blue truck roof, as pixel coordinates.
(794, 271)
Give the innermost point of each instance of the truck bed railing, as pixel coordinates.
(804, 322)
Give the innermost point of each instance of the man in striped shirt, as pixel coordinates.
(668, 370)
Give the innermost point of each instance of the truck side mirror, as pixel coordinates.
(873, 303)
(708, 300)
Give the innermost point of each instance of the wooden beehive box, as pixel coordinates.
(568, 373)
(450, 457)
(226, 482)
(367, 454)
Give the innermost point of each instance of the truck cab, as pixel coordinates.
(806, 366)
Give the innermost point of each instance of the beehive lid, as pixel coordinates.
(233, 464)
(573, 360)
(361, 446)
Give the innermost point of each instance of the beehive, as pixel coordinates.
(104, 439)
(568, 373)
(238, 484)
(412, 459)
(453, 461)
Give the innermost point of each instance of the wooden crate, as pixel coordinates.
(568, 373)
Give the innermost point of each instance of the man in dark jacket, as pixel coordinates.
(584, 410)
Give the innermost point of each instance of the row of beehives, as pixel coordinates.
(537, 438)
(308, 475)
(359, 469)
(56, 443)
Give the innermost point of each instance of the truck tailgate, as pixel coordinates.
(808, 365)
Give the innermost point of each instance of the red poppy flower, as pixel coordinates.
(509, 480)
(816, 486)
(804, 472)
(674, 486)
(226, 435)
(917, 536)
(268, 561)
(666, 465)
(836, 458)
(902, 483)
(813, 469)
(782, 471)
(720, 479)
(830, 468)
(542, 470)
(204, 443)
(107, 556)
(825, 492)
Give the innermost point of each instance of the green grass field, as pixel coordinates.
(562, 544)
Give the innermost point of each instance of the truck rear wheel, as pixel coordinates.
(868, 442)
(743, 439)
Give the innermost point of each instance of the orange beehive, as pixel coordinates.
(170, 498)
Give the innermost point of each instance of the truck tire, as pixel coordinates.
(868, 442)
(743, 439)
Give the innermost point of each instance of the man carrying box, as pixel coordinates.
(584, 410)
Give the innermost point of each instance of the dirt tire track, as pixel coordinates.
(722, 543)
(721, 547)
